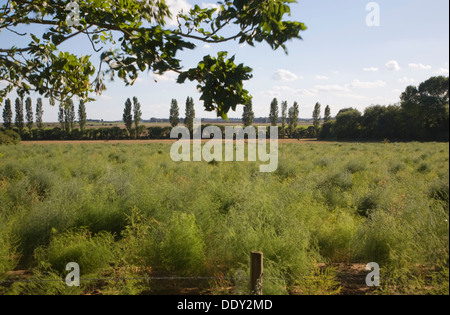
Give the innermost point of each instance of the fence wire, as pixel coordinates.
(233, 279)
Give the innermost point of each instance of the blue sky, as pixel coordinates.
(341, 62)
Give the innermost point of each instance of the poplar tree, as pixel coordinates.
(273, 116)
(174, 113)
(137, 116)
(127, 116)
(82, 117)
(7, 114)
(284, 106)
(248, 115)
(29, 110)
(293, 118)
(19, 122)
(190, 114)
(327, 115)
(316, 119)
(39, 114)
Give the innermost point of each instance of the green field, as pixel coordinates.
(127, 210)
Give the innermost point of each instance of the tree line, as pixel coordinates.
(288, 121)
(421, 115)
(30, 125)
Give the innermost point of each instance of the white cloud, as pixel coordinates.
(331, 88)
(335, 72)
(407, 80)
(419, 66)
(210, 5)
(176, 6)
(300, 92)
(441, 71)
(284, 76)
(322, 77)
(166, 77)
(367, 85)
(3, 83)
(306, 92)
(351, 95)
(371, 69)
(207, 46)
(392, 65)
(283, 88)
(270, 94)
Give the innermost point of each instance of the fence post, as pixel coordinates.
(256, 273)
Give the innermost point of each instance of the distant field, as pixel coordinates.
(157, 141)
(108, 124)
(147, 125)
(126, 210)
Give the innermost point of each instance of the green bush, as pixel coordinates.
(176, 246)
(9, 137)
(335, 237)
(92, 252)
(8, 253)
(181, 245)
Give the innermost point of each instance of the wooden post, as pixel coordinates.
(256, 273)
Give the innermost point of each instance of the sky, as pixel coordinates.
(341, 61)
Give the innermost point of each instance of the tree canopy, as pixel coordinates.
(248, 115)
(426, 106)
(134, 36)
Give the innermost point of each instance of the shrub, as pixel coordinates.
(424, 168)
(355, 166)
(92, 252)
(182, 246)
(9, 137)
(8, 254)
(439, 190)
(336, 235)
(176, 246)
(319, 282)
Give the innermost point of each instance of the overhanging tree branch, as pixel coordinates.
(138, 29)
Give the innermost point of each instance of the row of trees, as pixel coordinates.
(289, 119)
(19, 121)
(421, 115)
(174, 116)
(132, 114)
(66, 117)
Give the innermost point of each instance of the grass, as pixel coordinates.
(127, 210)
